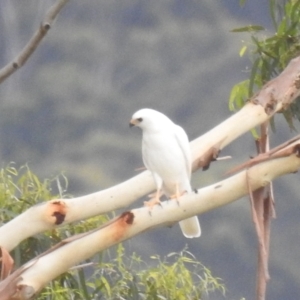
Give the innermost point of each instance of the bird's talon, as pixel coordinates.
(152, 203)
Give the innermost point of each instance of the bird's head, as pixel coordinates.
(149, 119)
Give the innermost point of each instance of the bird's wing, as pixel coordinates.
(183, 142)
(144, 154)
(148, 152)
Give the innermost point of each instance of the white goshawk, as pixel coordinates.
(166, 153)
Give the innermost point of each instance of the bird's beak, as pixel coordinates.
(132, 122)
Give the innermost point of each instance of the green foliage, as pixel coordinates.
(270, 55)
(119, 276)
(178, 276)
(20, 189)
(249, 28)
(112, 274)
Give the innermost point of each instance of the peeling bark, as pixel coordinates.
(210, 155)
(280, 92)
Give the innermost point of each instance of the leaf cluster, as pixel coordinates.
(177, 276)
(270, 55)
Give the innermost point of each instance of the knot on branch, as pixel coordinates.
(271, 104)
(24, 292)
(15, 65)
(118, 229)
(59, 217)
(127, 217)
(46, 26)
(266, 99)
(205, 160)
(58, 210)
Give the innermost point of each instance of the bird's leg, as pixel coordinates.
(154, 200)
(177, 194)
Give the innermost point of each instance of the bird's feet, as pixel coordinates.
(177, 195)
(152, 202)
(154, 199)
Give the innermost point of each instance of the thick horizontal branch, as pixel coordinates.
(34, 42)
(50, 214)
(204, 149)
(38, 272)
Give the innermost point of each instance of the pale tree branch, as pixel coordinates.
(276, 95)
(56, 212)
(49, 214)
(34, 275)
(34, 42)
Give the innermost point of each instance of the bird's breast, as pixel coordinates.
(162, 155)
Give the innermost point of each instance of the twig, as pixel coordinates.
(34, 42)
(82, 266)
(224, 157)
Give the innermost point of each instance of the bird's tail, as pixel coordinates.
(190, 227)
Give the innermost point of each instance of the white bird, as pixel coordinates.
(166, 153)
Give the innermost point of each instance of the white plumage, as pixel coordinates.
(166, 153)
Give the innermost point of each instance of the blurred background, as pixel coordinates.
(67, 111)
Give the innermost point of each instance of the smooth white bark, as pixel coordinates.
(129, 224)
(248, 117)
(43, 217)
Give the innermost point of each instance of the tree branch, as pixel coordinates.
(34, 275)
(34, 42)
(56, 212)
(50, 214)
(276, 95)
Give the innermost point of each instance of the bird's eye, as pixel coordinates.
(140, 119)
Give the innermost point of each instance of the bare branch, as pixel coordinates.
(34, 42)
